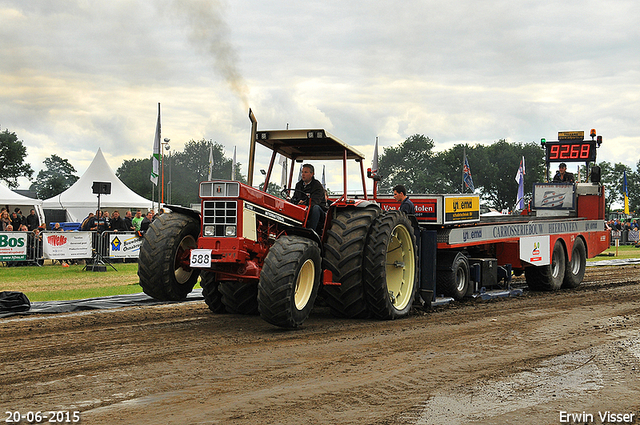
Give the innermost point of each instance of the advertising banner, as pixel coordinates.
(66, 245)
(13, 246)
(124, 245)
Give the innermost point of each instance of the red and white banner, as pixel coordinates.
(65, 245)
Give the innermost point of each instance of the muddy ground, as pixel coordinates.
(521, 360)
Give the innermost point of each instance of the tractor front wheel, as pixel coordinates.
(163, 263)
(289, 281)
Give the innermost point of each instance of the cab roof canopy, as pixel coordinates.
(312, 144)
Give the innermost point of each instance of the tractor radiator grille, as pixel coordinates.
(220, 214)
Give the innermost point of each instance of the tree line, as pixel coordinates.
(412, 162)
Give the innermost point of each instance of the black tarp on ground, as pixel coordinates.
(114, 301)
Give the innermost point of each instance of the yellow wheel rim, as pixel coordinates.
(400, 267)
(304, 284)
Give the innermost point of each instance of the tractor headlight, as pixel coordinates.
(209, 230)
(230, 231)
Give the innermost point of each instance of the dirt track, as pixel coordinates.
(521, 360)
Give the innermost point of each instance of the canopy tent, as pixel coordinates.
(12, 200)
(79, 200)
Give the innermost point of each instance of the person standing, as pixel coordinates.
(146, 221)
(128, 221)
(562, 176)
(137, 220)
(117, 224)
(400, 195)
(32, 220)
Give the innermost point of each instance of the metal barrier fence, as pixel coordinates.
(28, 248)
(624, 236)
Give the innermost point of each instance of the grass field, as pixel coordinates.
(53, 282)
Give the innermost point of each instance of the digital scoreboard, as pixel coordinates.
(571, 147)
(571, 151)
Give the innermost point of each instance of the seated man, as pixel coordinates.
(310, 192)
(562, 176)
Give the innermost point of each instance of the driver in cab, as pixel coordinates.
(309, 192)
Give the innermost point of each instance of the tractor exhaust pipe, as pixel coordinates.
(252, 146)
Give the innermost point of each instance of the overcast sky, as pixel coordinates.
(81, 75)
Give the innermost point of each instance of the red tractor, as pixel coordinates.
(254, 253)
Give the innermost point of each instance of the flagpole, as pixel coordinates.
(464, 156)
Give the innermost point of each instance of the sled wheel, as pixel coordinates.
(575, 269)
(452, 276)
(549, 277)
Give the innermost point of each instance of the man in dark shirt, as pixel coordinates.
(146, 221)
(310, 192)
(128, 217)
(400, 195)
(32, 220)
(117, 224)
(562, 176)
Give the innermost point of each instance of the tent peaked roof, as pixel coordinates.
(8, 196)
(79, 199)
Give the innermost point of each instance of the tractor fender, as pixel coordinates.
(304, 233)
(186, 211)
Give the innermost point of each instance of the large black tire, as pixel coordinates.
(289, 281)
(211, 292)
(344, 257)
(551, 276)
(452, 275)
(574, 271)
(390, 266)
(240, 296)
(163, 263)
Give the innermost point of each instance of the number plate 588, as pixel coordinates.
(200, 258)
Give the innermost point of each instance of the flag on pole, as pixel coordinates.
(324, 182)
(233, 165)
(466, 174)
(374, 162)
(520, 180)
(626, 193)
(156, 152)
(210, 160)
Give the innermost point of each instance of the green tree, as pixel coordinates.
(57, 176)
(494, 168)
(412, 164)
(12, 155)
(273, 189)
(135, 174)
(183, 172)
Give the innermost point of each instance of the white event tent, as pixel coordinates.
(12, 200)
(79, 200)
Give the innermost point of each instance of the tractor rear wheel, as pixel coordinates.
(574, 271)
(390, 266)
(163, 263)
(240, 296)
(211, 292)
(549, 277)
(344, 257)
(289, 281)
